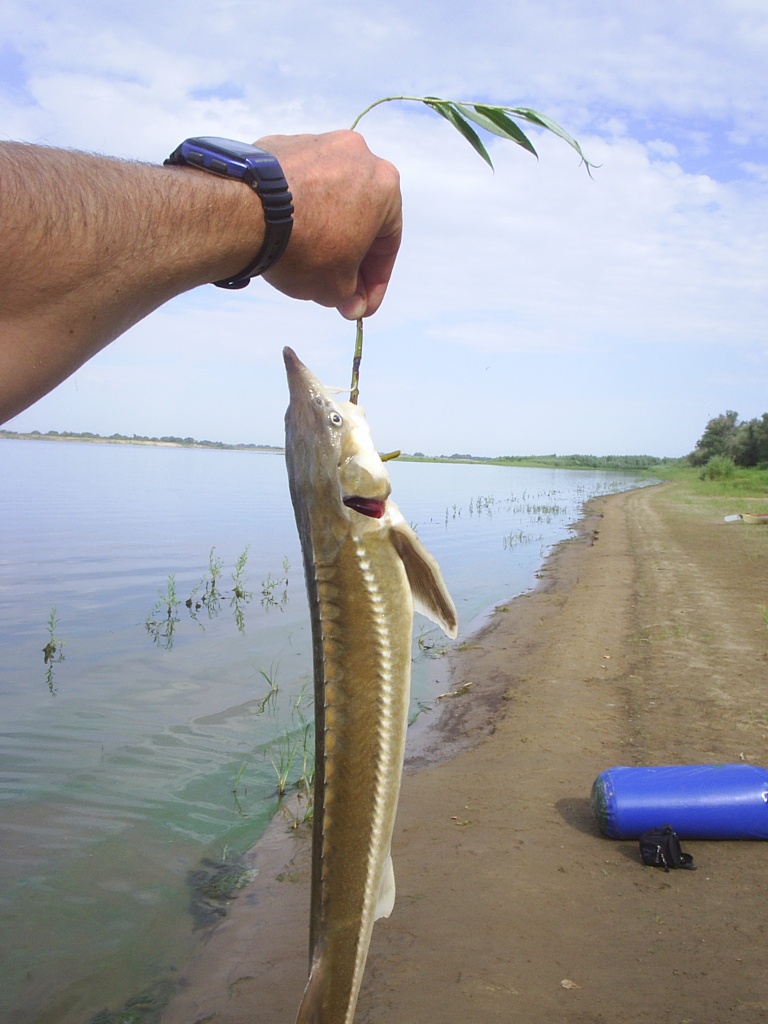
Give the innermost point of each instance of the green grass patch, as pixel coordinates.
(743, 483)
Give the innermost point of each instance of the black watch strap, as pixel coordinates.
(259, 170)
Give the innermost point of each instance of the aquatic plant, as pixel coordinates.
(240, 596)
(52, 652)
(290, 750)
(483, 503)
(283, 756)
(307, 776)
(270, 678)
(210, 594)
(295, 747)
(238, 577)
(214, 884)
(429, 643)
(422, 707)
(162, 629)
(515, 538)
(270, 586)
(145, 1008)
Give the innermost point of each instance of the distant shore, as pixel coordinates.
(610, 463)
(158, 442)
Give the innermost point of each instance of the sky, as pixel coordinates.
(533, 309)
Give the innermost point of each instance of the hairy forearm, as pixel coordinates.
(92, 245)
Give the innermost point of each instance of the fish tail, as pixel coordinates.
(311, 1009)
(321, 1003)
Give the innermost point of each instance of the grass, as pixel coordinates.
(290, 751)
(284, 754)
(270, 678)
(715, 497)
(743, 483)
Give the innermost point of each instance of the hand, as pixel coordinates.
(347, 222)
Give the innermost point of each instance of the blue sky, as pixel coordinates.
(533, 309)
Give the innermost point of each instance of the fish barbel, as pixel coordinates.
(365, 572)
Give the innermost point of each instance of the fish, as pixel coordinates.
(365, 571)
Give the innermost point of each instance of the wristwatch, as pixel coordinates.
(257, 169)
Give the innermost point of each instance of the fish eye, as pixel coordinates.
(335, 419)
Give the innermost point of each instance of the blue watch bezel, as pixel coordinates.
(262, 172)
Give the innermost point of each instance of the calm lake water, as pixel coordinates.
(148, 747)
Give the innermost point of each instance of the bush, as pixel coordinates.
(719, 467)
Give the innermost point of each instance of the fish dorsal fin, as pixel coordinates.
(386, 900)
(430, 594)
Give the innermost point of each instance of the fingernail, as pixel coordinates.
(353, 309)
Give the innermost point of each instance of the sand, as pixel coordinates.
(645, 643)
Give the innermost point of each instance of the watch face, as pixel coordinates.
(227, 147)
(224, 157)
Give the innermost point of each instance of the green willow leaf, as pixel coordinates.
(450, 113)
(542, 121)
(493, 119)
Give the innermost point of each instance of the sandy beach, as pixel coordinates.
(645, 643)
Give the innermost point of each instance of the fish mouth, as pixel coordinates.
(372, 507)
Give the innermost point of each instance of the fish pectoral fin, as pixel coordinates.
(386, 900)
(430, 594)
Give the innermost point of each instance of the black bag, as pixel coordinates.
(660, 848)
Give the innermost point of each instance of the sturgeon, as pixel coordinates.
(365, 571)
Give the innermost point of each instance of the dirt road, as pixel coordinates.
(645, 644)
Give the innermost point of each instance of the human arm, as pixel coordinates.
(91, 245)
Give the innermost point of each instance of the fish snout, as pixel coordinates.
(302, 383)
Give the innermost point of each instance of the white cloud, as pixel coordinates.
(621, 300)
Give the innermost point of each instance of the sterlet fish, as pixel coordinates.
(365, 571)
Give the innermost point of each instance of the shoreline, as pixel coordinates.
(644, 644)
(142, 442)
(283, 854)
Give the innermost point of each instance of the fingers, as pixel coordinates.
(347, 221)
(373, 277)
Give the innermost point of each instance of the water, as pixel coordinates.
(146, 750)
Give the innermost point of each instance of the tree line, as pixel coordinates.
(745, 442)
(87, 435)
(605, 462)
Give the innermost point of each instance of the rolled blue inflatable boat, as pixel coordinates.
(700, 801)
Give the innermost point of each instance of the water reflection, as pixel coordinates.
(182, 716)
